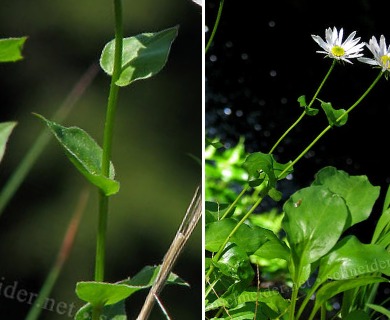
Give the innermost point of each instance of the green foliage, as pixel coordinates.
(314, 221)
(143, 55)
(109, 297)
(11, 49)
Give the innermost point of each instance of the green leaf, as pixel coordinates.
(379, 309)
(235, 263)
(314, 221)
(309, 111)
(359, 194)
(11, 49)
(143, 55)
(335, 117)
(85, 154)
(214, 211)
(5, 131)
(333, 288)
(216, 144)
(102, 293)
(147, 276)
(249, 238)
(110, 296)
(351, 258)
(271, 298)
(261, 166)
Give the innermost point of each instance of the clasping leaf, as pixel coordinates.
(143, 55)
(85, 154)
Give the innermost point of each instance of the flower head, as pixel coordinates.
(336, 49)
(380, 52)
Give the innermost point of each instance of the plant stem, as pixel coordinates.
(329, 126)
(235, 202)
(304, 112)
(215, 25)
(107, 142)
(107, 147)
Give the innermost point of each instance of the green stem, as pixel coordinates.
(308, 107)
(107, 142)
(307, 298)
(329, 126)
(235, 202)
(215, 25)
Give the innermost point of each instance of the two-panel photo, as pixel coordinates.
(194, 159)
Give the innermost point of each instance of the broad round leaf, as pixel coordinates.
(351, 258)
(314, 221)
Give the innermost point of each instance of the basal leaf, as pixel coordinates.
(5, 131)
(11, 49)
(359, 194)
(85, 154)
(314, 221)
(143, 55)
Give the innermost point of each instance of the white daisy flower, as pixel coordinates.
(380, 52)
(336, 49)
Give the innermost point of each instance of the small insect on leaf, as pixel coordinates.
(298, 203)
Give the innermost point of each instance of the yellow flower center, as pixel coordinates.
(338, 51)
(386, 61)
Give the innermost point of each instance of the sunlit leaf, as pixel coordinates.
(359, 194)
(11, 49)
(85, 154)
(143, 55)
(314, 221)
(351, 258)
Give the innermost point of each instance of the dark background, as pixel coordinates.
(263, 59)
(157, 131)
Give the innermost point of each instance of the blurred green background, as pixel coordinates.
(158, 132)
